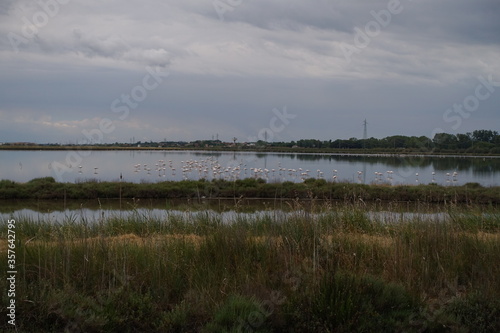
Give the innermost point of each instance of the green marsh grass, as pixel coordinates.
(47, 188)
(330, 270)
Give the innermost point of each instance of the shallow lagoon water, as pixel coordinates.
(228, 217)
(224, 211)
(154, 166)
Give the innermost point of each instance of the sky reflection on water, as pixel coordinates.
(154, 166)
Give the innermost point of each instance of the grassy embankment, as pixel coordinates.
(330, 272)
(48, 188)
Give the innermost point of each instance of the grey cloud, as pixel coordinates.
(152, 57)
(457, 20)
(105, 46)
(293, 15)
(226, 77)
(5, 6)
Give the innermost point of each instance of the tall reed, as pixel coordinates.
(270, 272)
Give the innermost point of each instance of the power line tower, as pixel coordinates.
(365, 133)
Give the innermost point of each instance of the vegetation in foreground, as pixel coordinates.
(331, 272)
(48, 188)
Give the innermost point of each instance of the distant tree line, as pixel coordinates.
(476, 142)
(479, 141)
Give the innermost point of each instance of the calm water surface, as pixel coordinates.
(225, 211)
(228, 217)
(154, 166)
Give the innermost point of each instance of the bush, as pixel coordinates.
(44, 180)
(476, 312)
(348, 303)
(239, 314)
(473, 185)
(495, 150)
(110, 311)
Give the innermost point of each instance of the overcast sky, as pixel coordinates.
(191, 69)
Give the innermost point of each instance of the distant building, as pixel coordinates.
(21, 144)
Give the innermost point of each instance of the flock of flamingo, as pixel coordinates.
(210, 168)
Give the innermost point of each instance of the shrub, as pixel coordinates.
(239, 314)
(348, 303)
(476, 312)
(473, 185)
(43, 180)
